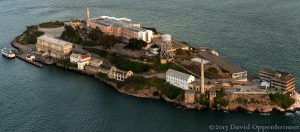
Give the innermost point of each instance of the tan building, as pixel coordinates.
(196, 86)
(117, 31)
(96, 62)
(137, 33)
(75, 23)
(119, 74)
(55, 48)
(212, 94)
(122, 28)
(189, 97)
(279, 81)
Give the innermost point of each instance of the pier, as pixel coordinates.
(22, 56)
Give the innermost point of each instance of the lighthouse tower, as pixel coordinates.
(87, 16)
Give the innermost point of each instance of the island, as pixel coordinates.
(143, 62)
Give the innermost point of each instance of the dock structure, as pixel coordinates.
(23, 57)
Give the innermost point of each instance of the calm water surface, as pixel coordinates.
(251, 33)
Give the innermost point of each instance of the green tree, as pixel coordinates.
(97, 38)
(71, 35)
(51, 24)
(282, 100)
(219, 99)
(29, 36)
(136, 44)
(95, 34)
(211, 73)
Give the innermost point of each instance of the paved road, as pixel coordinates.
(158, 75)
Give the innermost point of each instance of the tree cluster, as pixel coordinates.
(282, 100)
(71, 35)
(97, 38)
(136, 44)
(211, 73)
(55, 24)
(30, 35)
(219, 99)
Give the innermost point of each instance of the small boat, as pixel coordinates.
(289, 114)
(8, 53)
(265, 114)
(297, 112)
(225, 111)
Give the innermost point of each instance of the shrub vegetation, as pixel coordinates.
(71, 35)
(137, 67)
(211, 73)
(282, 100)
(135, 44)
(121, 62)
(204, 100)
(67, 63)
(139, 82)
(219, 99)
(97, 38)
(29, 36)
(51, 24)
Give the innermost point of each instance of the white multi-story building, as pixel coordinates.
(179, 79)
(137, 33)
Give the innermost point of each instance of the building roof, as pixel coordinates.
(178, 74)
(190, 92)
(88, 55)
(94, 60)
(75, 55)
(136, 29)
(221, 62)
(278, 74)
(116, 22)
(200, 60)
(50, 39)
(265, 84)
(104, 23)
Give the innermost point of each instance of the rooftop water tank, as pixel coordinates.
(166, 38)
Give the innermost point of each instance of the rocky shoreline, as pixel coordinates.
(148, 93)
(230, 108)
